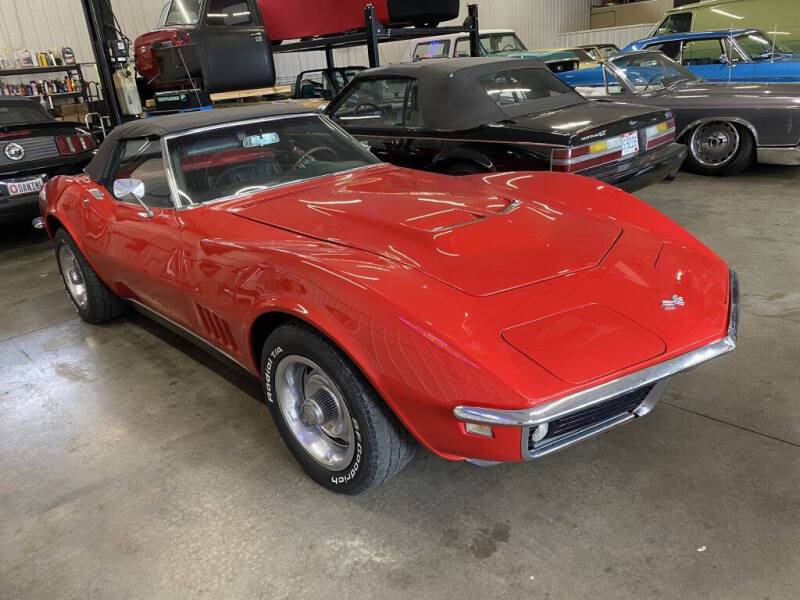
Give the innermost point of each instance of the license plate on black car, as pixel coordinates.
(630, 143)
(27, 186)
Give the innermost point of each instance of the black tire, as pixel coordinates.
(739, 161)
(464, 168)
(100, 303)
(382, 446)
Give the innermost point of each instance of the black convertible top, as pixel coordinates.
(451, 97)
(156, 127)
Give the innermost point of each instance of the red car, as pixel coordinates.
(495, 317)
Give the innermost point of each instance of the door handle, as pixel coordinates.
(257, 36)
(86, 202)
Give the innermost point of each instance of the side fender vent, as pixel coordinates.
(217, 328)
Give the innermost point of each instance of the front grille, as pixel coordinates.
(36, 148)
(591, 416)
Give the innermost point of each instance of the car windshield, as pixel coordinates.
(21, 114)
(606, 51)
(498, 43)
(758, 46)
(581, 54)
(183, 12)
(245, 158)
(651, 71)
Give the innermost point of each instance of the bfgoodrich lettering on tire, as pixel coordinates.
(335, 424)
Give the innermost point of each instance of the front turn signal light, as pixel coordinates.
(478, 429)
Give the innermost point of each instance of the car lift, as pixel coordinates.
(110, 52)
(375, 33)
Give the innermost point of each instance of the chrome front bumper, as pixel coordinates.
(657, 374)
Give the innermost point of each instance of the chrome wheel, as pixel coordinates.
(715, 144)
(314, 411)
(71, 272)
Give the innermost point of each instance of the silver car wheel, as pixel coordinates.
(715, 144)
(73, 278)
(314, 411)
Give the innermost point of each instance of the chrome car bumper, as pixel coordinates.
(655, 376)
(779, 156)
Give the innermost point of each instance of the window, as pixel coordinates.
(677, 23)
(497, 43)
(182, 12)
(606, 51)
(141, 159)
(245, 158)
(462, 47)
(703, 52)
(11, 114)
(733, 53)
(432, 49)
(413, 114)
(228, 13)
(651, 71)
(758, 47)
(671, 49)
(517, 86)
(374, 103)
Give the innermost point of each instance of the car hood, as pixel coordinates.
(737, 91)
(471, 239)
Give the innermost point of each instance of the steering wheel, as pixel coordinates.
(226, 179)
(508, 47)
(649, 83)
(368, 104)
(311, 152)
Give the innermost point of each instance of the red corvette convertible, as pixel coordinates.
(495, 317)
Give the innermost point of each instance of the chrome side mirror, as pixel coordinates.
(132, 189)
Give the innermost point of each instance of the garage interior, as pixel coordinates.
(133, 464)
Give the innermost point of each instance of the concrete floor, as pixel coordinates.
(134, 466)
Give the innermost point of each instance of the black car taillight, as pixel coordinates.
(74, 144)
(660, 134)
(578, 158)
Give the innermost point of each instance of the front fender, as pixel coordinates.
(391, 321)
(63, 202)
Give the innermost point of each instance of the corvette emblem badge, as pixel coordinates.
(673, 303)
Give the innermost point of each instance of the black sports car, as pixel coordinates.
(475, 115)
(33, 147)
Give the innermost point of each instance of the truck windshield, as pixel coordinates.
(760, 46)
(497, 43)
(183, 12)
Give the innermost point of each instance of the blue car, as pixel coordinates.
(727, 55)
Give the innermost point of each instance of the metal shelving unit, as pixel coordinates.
(34, 70)
(375, 33)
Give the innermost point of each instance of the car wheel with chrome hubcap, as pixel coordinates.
(313, 408)
(90, 297)
(720, 148)
(330, 417)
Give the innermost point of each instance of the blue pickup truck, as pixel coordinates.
(727, 55)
